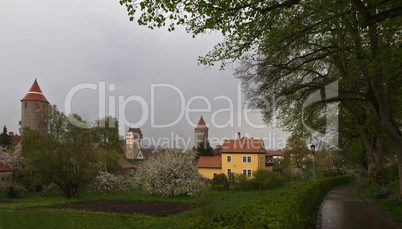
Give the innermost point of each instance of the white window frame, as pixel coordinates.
(249, 173)
(214, 174)
(229, 158)
(228, 172)
(244, 159)
(248, 159)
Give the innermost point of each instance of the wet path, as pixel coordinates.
(344, 208)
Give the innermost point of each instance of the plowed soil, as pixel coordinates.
(128, 207)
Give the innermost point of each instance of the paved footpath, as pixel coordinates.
(344, 208)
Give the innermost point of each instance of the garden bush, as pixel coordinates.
(242, 182)
(264, 179)
(295, 207)
(12, 190)
(220, 183)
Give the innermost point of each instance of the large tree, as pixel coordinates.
(295, 48)
(65, 157)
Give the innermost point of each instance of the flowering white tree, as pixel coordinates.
(106, 182)
(170, 174)
(12, 160)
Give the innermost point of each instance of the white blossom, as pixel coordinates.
(170, 174)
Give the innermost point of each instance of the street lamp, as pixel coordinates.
(313, 151)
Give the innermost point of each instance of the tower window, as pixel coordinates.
(25, 105)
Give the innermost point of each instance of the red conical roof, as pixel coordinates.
(35, 94)
(201, 123)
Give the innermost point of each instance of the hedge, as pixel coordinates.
(295, 207)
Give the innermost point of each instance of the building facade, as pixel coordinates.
(241, 156)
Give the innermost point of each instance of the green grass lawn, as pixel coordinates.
(390, 207)
(27, 211)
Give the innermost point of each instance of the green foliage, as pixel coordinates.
(264, 179)
(70, 164)
(220, 182)
(242, 182)
(5, 138)
(291, 208)
(204, 149)
(12, 190)
(106, 132)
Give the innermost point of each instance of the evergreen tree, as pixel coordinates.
(204, 149)
(5, 139)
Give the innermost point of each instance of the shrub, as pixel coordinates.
(12, 190)
(291, 208)
(106, 182)
(242, 182)
(220, 182)
(265, 179)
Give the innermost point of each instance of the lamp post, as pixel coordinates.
(313, 151)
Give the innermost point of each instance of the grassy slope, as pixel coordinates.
(26, 213)
(391, 207)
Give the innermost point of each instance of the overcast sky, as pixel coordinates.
(71, 45)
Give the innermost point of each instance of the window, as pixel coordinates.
(25, 105)
(262, 159)
(247, 172)
(229, 159)
(201, 175)
(215, 174)
(229, 172)
(246, 159)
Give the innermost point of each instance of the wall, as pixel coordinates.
(6, 177)
(237, 165)
(209, 172)
(35, 114)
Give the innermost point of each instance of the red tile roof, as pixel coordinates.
(4, 168)
(201, 124)
(35, 94)
(274, 153)
(209, 162)
(244, 145)
(15, 140)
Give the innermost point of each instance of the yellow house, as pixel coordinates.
(241, 156)
(208, 167)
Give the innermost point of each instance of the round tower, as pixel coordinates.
(200, 132)
(35, 110)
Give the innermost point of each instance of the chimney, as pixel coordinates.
(238, 136)
(11, 134)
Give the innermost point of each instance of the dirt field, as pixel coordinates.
(128, 207)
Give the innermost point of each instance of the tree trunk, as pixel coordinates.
(373, 149)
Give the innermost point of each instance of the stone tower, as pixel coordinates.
(133, 142)
(35, 110)
(200, 132)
